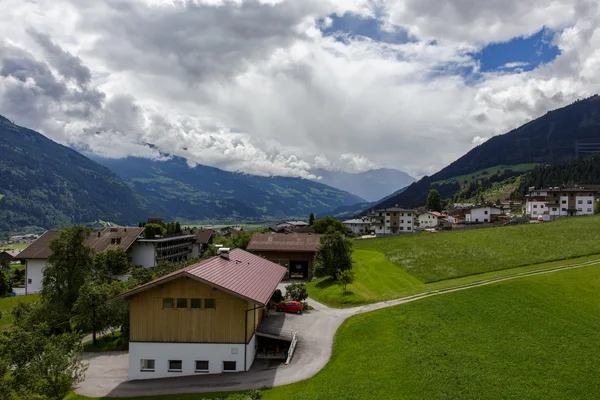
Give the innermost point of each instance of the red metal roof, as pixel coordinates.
(243, 274)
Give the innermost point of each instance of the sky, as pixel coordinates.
(281, 87)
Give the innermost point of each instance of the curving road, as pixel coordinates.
(107, 373)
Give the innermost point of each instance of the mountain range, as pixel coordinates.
(372, 185)
(561, 134)
(46, 185)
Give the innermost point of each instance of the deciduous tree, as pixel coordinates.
(296, 291)
(334, 255)
(322, 225)
(434, 201)
(346, 278)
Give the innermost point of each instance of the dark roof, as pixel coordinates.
(284, 242)
(12, 253)
(243, 274)
(203, 236)
(99, 241)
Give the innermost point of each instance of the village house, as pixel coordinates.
(429, 219)
(391, 221)
(201, 319)
(296, 251)
(37, 253)
(558, 202)
(359, 225)
(483, 214)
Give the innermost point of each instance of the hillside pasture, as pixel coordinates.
(7, 304)
(530, 338)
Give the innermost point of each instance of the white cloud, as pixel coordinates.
(253, 86)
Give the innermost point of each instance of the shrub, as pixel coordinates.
(277, 297)
(296, 291)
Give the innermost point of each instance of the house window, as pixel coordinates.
(589, 210)
(408, 228)
(589, 201)
(486, 212)
(209, 304)
(534, 206)
(401, 228)
(580, 209)
(229, 365)
(147, 365)
(485, 220)
(387, 214)
(29, 281)
(554, 209)
(196, 303)
(182, 303)
(535, 212)
(175, 365)
(168, 303)
(564, 202)
(579, 201)
(564, 209)
(201, 366)
(542, 206)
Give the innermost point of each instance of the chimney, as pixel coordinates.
(223, 252)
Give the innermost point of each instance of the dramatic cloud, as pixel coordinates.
(257, 86)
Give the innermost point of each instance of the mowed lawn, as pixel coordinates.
(376, 279)
(7, 304)
(530, 338)
(433, 257)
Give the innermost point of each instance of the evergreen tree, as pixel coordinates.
(311, 219)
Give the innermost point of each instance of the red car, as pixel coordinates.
(290, 306)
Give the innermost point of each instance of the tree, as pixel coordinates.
(177, 227)
(296, 291)
(322, 225)
(434, 201)
(152, 230)
(311, 219)
(110, 263)
(92, 312)
(4, 287)
(139, 276)
(66, 271)
(346, 278)
(277, 297)
(597, 207)
(334, 255)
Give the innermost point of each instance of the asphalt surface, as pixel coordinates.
(107, 373)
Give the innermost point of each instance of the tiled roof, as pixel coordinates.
(284, 242)
(99, 241)
(243, 274)
(203, 236)
(13, 253)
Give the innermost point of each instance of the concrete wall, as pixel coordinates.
(250, 352)
(188, 353)
(143, 254)
(34, 274)
(427, 220)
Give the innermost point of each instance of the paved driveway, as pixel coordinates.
(107, 374)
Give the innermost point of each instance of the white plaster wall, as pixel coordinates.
(143, 254)
(34, 272)
(585, 206)
(535, 208)
(188, 353)
(428, 220)
(250, 352)
(195, 250)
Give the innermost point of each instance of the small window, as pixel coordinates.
(229, 365)
(209, 304)
(564, 209)
(589, 210)
(201, 366)
(534, 206)
(564, 202)
(485, 220)
(195, 303)
(175, 365)
(408, 228)
(29, 281)
(589, 201)
(182, 303)
(554, 209)
(146, 365)
(579, 201)
(168, 303)
(486, 212)
(535, 212)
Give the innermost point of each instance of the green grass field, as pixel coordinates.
(531, 338)
(200, 396)
(15, 246)
(392, 267)
(489, 171)
(6, 305)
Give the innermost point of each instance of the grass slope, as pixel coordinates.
(382, 264)
(110, 342)
(532, 338)
(6, 305)
(489, 171)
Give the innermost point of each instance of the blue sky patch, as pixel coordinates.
(352, 25)
(519, 53)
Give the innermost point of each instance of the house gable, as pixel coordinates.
(150, 322)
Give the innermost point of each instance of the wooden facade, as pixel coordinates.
(232, 321)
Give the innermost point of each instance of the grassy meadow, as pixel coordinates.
(392, 267)
(530, 338)
(6, 305)
(110, 342)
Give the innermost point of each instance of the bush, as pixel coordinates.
(306, 306)
(346, 278)
(277, 297)
(296, 291)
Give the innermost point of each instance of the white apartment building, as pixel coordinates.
(358, 225)
(391, 221)
(429, 219)
(558, 202)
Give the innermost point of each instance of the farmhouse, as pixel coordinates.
(37, 253)
(200, 319)
(296, 251)
(482, 214)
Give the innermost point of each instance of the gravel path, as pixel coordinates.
(107, 373)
